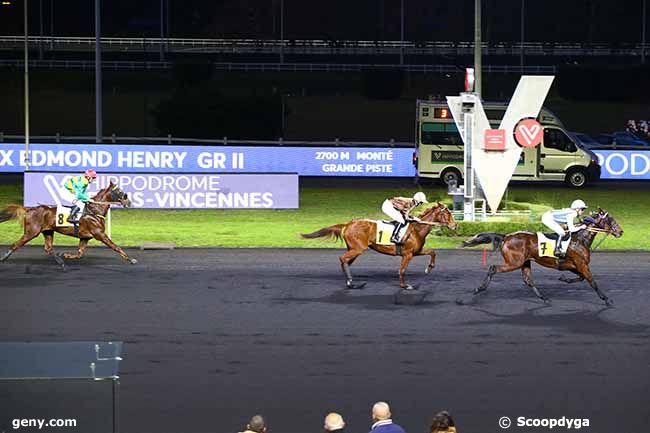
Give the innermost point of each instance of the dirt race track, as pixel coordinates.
(213, 336)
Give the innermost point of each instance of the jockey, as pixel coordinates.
(75, 192)
(553, 218)
(398, 208)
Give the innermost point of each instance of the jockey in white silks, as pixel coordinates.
(554, 218)
(398, 209)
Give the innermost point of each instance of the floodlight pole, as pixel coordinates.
(644, 19)
(401, 45)
(523, 27)
(477, 46)
(40, 21)
(162, 31)
(98, 74)
(281, 31)
(26, 61)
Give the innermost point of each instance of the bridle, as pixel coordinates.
(433, 212)
(611, 230)
(116, 194)
(612, 227)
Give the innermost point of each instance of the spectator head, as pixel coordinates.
(257, 424)
(631, 125)
(442, 422)
(333, 422)
(380, 411)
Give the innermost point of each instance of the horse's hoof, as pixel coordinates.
(357, 286)
(133, 261)
(469, 301)
(609, 302)
(546, 301)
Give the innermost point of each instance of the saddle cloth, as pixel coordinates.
(385, 230)
(546, 245)
(62, 214)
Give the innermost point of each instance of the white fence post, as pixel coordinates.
(108, 222)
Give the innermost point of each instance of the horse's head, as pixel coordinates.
(439, 213)
(113, 193)
(603, 220)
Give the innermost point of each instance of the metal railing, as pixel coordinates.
(322, 46)
(225, 141)
(87, 64)
(276, 66)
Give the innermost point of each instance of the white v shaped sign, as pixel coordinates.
(494, 169)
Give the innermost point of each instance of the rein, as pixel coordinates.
(429, 223)
(597, 230)
(107, 202)
(600, 242)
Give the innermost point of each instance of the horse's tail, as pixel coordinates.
(485, 238)
(13, 212)
(334, 232)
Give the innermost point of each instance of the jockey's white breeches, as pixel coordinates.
(548, 221)
(394, 214)
(67, 196)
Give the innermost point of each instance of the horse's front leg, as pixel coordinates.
(432, 263)
(406, 258)
(584, 270)
(103, 237)
(83, 244)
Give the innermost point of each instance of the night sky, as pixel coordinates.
(440, 20)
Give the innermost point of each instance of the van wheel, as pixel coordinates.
(576, 177)
(449, 174)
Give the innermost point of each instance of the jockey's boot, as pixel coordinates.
(558, 245)
(72, 218)
(395, 236)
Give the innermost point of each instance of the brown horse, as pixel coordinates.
(41, 219)
(361, 234)
(519, 248)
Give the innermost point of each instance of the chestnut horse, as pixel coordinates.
(519, 248)
(361, 234)
(41, 219)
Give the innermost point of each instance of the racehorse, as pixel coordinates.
(361, 234)
(42, 219)
(519, 248)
